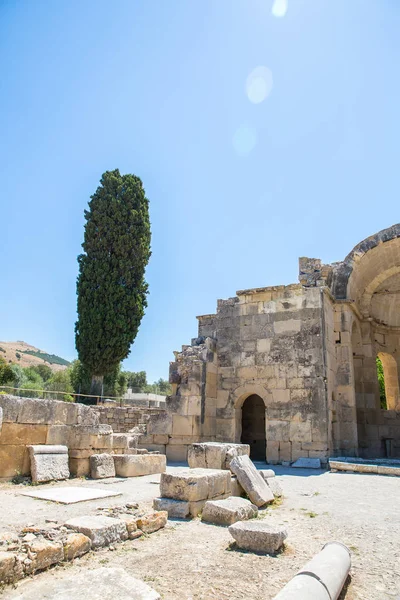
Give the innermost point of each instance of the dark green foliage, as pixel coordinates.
(60, 381)
(43, 370)
(137, 382)
(17, 354)
(6, 372)
(161, 386)
(52, 359)
(381, 381)
(111, 287)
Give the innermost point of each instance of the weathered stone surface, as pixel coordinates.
(267, 473)
(176, 509)
(10, 567)
(275, 487)
(102, 466)
(102, 531)
(131, 526)
(75, 545)
(43, 554)
(104, 583)
(258, 536)
(11, 406)
(307, 463)
(153, 521)
(1, 418)
(215, 455)
(251, 481)
(48, 463)
(195, 484)
(236, 488)
(136, 465)
(228, 511)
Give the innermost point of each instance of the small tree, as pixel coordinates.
(111, 287)
(136, 381)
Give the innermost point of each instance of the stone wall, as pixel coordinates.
(265, 341)
(31, 421)
(123, 419)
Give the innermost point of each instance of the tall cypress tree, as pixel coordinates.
(111, 286)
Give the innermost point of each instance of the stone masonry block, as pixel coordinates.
(48, 463)
(102, 466)
(102, 531)
(195, 484)
(214, 455)
(15, 434)
(182, 425)
(131, 465)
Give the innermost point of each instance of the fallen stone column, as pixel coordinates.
(322, 578)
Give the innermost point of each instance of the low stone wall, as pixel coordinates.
(30, 421)
(374, 428)
(123, 419)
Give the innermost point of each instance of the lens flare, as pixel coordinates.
(244, 140)
(279, 8)
(259, 84)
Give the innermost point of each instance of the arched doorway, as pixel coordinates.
(253, 426)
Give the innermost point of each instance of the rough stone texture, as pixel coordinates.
(102, 466)
(102, 531)
(236, 488)
(131, 465)
(266, 473)
(104, 583)
(131, 526)
(307, 463)
(48, 463)
(153, 521)
(176, 509)
(1, 418)
(258, 536)
(214, 455)
(251, 481)
(10, 567)
(43, 554)
(275, 487)
(76, 545)
(195, 484)
(228, 511)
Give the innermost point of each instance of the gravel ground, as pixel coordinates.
(195, 561)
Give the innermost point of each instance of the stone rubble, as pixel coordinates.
(251, 481)
(228, 511)
(258, 536)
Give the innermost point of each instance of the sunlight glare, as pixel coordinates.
(279, 8)
(259, 84)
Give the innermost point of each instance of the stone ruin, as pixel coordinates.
(291, 370)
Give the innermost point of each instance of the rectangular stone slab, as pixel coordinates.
(48, 463)
(228, 511)
(70, 495)
(136, 465)
(215, 455)
(102, 531)
(193, 485)
(251, 480)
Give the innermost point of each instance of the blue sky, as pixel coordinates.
(246, 169)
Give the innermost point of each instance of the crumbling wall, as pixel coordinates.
(29, 421)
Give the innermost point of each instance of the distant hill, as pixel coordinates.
(26, 355)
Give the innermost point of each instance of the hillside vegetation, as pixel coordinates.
(26, 355)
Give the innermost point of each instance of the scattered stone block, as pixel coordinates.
(10, 567)
(106, 583)
(195, 484)
(176, 509)
(136, 465)
(48, 463)
(307, 463)
(215, 455)
(258, 536)
(76, 545)
(102, 466)
(102, 531)
(275, 487)
(251, 480)
(153, 521)
(236, 488)
(43, 554)
(267, 473)
(228, 511)
(131, 526)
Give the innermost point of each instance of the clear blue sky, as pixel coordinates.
(238, 187)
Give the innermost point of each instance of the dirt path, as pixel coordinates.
(194, 561)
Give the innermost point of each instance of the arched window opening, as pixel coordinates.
(253, 426)
(381, 381)
(388, 379)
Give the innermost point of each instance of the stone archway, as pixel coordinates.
(253, 427)
(250, 402)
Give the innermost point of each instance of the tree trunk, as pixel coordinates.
(96, 387)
